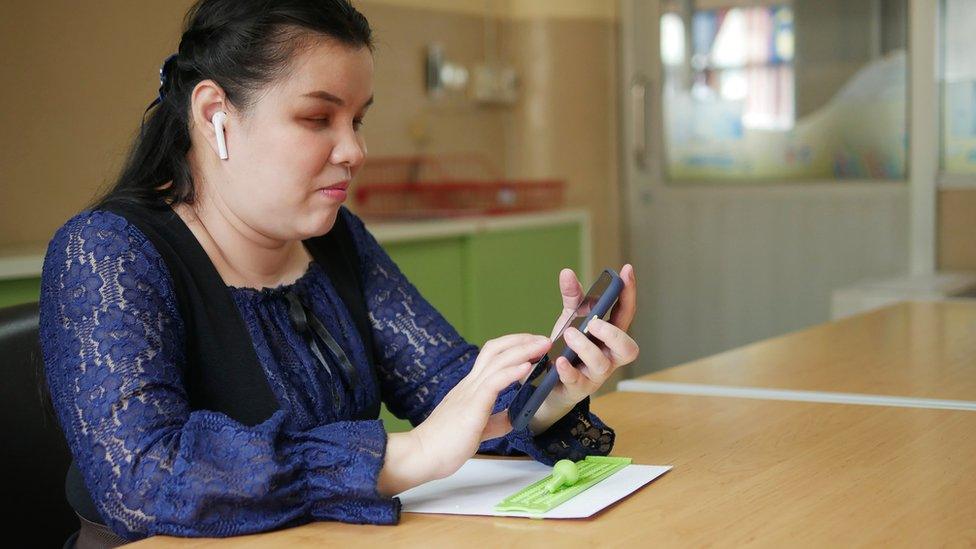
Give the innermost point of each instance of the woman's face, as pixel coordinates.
(286, 172)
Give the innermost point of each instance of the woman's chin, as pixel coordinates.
(321, 223)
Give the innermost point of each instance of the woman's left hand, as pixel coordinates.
(599, 360)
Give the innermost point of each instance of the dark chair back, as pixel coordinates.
(33, 451)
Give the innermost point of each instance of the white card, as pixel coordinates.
(480, 484)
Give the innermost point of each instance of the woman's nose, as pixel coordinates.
(350, 150)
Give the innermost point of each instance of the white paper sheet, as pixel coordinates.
(480, 484)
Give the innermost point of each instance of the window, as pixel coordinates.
(958, 77)
(810, 89)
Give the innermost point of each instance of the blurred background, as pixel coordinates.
(764, 165)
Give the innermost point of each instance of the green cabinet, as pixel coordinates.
(19, 290)
(434, 267)
(491, 282)
(512, 279)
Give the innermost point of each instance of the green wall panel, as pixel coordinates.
(19, 290)
(513, 279)
(434, 267)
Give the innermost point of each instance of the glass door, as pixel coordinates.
(764, 158)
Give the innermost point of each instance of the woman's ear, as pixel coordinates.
(206, 100)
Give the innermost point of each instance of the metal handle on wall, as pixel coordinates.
(638, 97)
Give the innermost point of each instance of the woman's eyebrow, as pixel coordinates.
(324, 95)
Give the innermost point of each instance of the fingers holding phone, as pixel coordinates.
(606, 349)
(626, 308)
(572, 295)
(596, 303)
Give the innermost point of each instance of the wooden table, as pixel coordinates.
(771, 473)
(915, 350)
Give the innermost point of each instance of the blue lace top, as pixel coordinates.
(112, 341)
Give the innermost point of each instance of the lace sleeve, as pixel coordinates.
(422, 357)
(112, 338)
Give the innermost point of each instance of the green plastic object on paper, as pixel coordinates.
(564, 473)
(537, 498)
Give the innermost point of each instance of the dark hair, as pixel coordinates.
(242, 45)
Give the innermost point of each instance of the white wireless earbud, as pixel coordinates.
(218, 121)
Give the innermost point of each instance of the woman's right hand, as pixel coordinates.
(463, 419)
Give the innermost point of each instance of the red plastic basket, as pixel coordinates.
(455, 185)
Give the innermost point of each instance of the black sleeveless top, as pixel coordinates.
(222, 371)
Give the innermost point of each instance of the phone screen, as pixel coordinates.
(559, 344)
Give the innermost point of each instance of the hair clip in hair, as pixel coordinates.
(164, 73)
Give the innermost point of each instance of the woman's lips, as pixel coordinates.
(337, 192)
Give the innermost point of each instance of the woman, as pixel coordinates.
(218, 331)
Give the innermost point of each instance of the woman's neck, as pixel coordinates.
(242, 255)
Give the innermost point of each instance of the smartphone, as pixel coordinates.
(543, 377)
